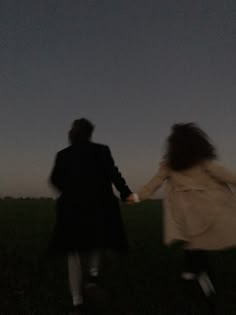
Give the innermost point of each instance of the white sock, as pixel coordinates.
(206, 284)
(94, 263)
(75, 278)
(188, 275)
(93, 272)
(77, 300)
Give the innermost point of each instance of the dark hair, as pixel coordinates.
(81, 131)
(187, 146)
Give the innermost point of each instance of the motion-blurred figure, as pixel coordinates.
(200, 208)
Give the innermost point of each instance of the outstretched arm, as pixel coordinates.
(154, 183)
(116, 177)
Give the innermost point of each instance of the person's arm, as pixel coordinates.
(57, 178)
(155, 183)
(116, 177)
(219, 172)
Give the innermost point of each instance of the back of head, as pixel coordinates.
(81, 131)
(188, 146)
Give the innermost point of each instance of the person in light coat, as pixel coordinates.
(200, 207)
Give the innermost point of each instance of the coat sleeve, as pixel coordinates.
(155, 182)
(57, 175)
(220, 173)
(116, 177)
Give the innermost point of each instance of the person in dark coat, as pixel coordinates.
(88, 217)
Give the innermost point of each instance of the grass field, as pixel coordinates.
(145, 282)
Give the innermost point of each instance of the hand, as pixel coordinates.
(130, 200)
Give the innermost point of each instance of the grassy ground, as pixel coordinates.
(145, 282)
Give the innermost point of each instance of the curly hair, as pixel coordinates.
(81, 131)
(187, 146)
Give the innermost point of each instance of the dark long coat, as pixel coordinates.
(88, 213)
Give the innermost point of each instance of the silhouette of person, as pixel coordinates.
(88, 217)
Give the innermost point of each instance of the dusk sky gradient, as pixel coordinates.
(133, 67)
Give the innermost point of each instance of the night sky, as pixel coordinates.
(133, 67)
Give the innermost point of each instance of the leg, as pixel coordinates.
(75, 278)
(189, 272)
(196, 262)
(94, 292)
(200, 261)
(94, 262)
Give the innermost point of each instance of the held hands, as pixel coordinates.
(132, 198)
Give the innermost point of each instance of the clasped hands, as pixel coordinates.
(132, 198)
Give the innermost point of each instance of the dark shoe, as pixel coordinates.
(78, 310)
(91, 281)
(96, 297)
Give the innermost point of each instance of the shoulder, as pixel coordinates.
(63, 152)
(163, 166)
(162, 170)
(100, 147)
(210, 165)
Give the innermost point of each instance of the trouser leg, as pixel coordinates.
(196, 261)
(94, 262)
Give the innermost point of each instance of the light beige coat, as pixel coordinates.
(200, 208)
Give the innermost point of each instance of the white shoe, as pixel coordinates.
(188, 276)
(206, 284)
